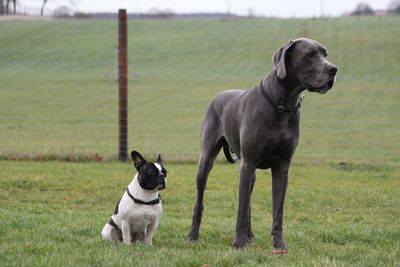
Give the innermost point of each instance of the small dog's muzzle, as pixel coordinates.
(163, 183)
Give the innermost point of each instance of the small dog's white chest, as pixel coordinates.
(137, 214)
(142, 216)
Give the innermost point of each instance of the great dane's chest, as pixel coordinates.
(275, 150)
(275, 142)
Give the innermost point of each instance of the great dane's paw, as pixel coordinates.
(240, 243)
(193, 236)
(279, 247)
(250, 236)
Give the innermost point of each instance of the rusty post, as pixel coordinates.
(123, 85)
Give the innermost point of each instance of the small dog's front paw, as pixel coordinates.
(148, 242)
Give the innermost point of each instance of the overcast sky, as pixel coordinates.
(277, 8)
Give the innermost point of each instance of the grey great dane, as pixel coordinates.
(260, 126)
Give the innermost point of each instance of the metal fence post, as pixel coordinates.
(123, 85)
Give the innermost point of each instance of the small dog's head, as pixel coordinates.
(151, 175)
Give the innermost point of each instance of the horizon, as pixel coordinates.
(257, 8)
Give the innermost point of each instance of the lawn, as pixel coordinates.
(52, 213)
(58, 100)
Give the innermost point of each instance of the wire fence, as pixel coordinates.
(26, 11)
(59, 85)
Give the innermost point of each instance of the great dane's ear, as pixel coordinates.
(138, 160)
(279, 59)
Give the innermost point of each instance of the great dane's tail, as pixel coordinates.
(231, 158)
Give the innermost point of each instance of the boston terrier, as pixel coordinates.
(138, 212)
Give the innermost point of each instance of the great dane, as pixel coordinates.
(260, 126)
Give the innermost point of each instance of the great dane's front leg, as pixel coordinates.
(250, 235)
(279, 185)
(247, 174)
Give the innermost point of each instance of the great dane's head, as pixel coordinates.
(304, 61)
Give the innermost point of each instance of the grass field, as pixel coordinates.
(58, 100)
(59, 82)
(52, 213)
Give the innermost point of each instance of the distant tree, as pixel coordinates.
(362, 9)
(250, 13)
(7, 8)
(161, 13)
(42, 9)
(394, 7)
(63, 11)
(72, 2)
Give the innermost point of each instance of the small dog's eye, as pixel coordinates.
(152, 172)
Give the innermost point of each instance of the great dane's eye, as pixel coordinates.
(311, 54)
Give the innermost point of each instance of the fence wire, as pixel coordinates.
(59, 87)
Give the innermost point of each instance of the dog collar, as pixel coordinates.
(281, 108)
(138, 201)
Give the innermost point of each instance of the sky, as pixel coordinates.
(272, 8)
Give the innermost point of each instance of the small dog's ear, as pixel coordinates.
(279, 59)
(159, 160)
(138, 159)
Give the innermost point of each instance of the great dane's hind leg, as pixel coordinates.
(279, 185)
(209, 153)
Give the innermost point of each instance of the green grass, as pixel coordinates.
(58, 100)
(52, 213)
(58, 91)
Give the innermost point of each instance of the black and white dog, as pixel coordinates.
(138, 212)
